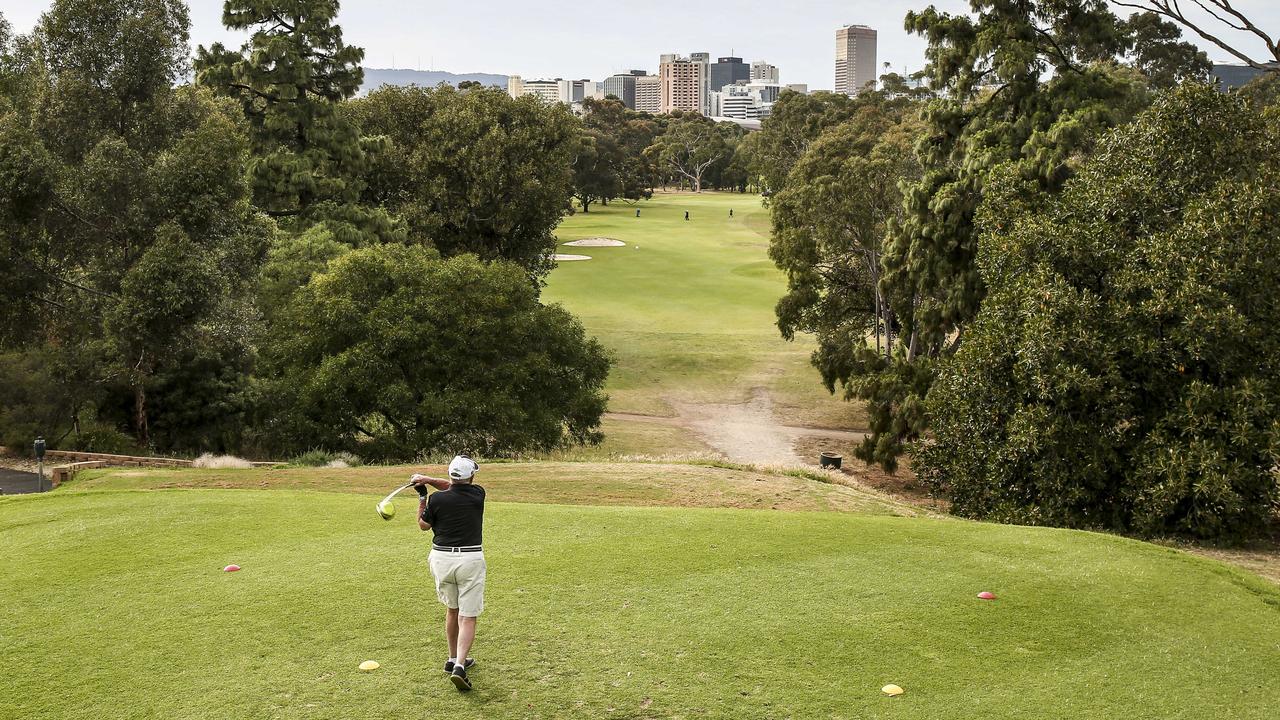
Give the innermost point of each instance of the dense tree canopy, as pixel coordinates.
(162, 244)
(1123, 372)
(126, 227)
(1030, 86)
(391, 352)
(472, 171)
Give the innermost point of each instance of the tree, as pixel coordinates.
(1122, 373)
(595, 176)
(689, 147)
(1158, 53)
(129, 241)
(830, 224)
(394, 352)
(109, 59)
(795, 122)
(631, 132)
(1028, 83)
(1219, 13)
(290, 78)
(472, 171)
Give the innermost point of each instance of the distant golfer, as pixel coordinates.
(456, 517)
(686, 214)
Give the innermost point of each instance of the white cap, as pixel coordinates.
(462, 468)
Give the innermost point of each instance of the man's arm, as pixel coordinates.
(436, 483)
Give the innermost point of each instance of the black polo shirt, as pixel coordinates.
(456, 515)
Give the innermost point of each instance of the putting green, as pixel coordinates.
(115, 606)
(687, 307)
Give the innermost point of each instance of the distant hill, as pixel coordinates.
(375, 78)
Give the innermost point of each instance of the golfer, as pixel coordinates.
(456, 517)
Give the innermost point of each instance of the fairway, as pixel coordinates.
(687, 308)
(116, 606)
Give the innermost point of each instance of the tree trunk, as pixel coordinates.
(140, 413)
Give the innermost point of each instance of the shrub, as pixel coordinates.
(324, 458)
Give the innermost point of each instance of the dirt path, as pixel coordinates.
(746, 432)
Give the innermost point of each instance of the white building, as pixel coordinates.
(802, 88)
(762, 71)
(648, 94)
(547, 90)
(745, 101)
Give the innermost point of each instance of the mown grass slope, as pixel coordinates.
(115, 606)
(688, 307)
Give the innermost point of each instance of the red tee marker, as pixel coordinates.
(986, 596)
(231, 568)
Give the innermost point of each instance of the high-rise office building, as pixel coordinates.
(623, 87)
(855, 59)
(728, 71)
(649, 93)
(762, 71)
(683, 83)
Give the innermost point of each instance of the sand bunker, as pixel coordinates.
(596, 242)
(566, 258)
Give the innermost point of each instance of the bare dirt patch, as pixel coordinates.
(596, 242)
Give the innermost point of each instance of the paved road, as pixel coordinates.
(14, 482)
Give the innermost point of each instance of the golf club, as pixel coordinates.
(386, 510)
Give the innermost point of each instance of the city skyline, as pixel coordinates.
(537, 42)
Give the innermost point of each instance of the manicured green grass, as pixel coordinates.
(115, 606)
(688, 307)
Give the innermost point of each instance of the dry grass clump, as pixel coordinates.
(221, 462)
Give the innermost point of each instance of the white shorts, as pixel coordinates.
(459, 580)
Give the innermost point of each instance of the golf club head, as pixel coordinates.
(386, 510)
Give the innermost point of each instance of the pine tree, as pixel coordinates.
(290, 78)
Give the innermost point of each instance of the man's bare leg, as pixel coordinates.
(451, 631)
(466, 636)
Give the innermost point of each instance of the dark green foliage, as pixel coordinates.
(308, 158)
(595, 169)
(108, 59)
(472, 171)
(1030, 85)
(690, 148)
(829, 228)
(125, 226)
(611, 161)
(795, 122)
(1123, 372)
(1158, 52)
(392, 352)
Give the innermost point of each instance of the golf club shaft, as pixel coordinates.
(397, 491)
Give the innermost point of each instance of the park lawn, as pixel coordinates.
(115, 606)
(688, 307)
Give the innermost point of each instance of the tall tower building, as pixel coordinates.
(684, 83)
(762, 71)
(855, 59)
(648, 94)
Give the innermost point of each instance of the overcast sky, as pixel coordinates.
(554, 38)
